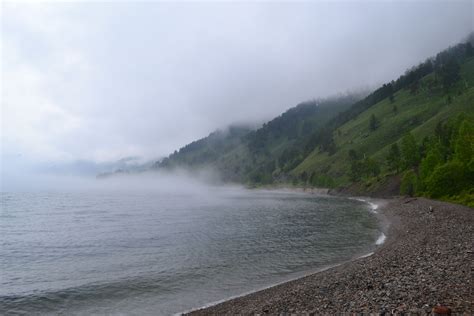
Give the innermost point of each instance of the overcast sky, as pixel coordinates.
(102, 81)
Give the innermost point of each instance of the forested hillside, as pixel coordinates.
(251, 156)
(418, 128)
(414, 128)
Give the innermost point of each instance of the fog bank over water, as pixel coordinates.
(204, 182)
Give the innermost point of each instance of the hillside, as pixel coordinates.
(420, 134)
(244, 155)
(416, 112)
(407, 129)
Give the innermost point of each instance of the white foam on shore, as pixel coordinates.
(373, 209)
(381, 239)
(378, 242)
(214, 303)
(366, 255)
(211, 304)
(373, 206)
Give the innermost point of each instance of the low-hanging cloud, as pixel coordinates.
(102, 81)
(204, 182)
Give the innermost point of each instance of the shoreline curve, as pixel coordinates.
(420, 264)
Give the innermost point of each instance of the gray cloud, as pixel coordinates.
(101, 81)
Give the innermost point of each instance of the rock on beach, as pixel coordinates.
(424, 267)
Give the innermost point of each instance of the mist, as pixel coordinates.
(87, 81)
(204, 183)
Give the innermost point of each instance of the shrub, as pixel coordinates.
(409, 151)
(409, 183)
(448, 179)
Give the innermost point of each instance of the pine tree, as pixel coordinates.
(464, 144)
(373, 123)
(409, 151)
(449, 73)
(393, 158)
(433, 159)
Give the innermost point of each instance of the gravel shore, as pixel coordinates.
(426, 261)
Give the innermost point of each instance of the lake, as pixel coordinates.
(151, 252)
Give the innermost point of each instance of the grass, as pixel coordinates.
(416, 113)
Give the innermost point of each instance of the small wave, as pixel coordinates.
(214, 303)
(366, 255)
(381, 239)
(373, 206)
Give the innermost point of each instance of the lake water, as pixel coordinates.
(140, 253)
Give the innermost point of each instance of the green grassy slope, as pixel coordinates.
(310, 143)
(418, 113)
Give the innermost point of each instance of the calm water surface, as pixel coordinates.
(151, 253)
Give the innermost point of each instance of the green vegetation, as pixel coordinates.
(418, 129)
(410, 153)
(374, 123)
(446, 171)
(394, 160)
(409, 184)
(265, 155)
(415, 133)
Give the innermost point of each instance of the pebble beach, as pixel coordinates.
(424, 266)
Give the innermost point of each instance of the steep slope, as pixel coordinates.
(415, 140)
(418, 128)
(206, 151)
(251, 156)
(416, 112)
